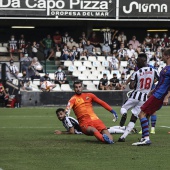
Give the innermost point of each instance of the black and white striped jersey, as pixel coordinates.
(70, 122)
(144, 79)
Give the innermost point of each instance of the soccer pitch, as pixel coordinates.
(27, 142)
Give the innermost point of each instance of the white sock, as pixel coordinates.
(147, 137)
(119, 127)
(129, 128)
(152, 128)
(115, 130)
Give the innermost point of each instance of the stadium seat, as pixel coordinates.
(82, 77)
(96, 82)
(86, 72)
(57, 88)
(107, 72)
(76, 73)
(92, 69)
(36, 82)
(5, 45)
(88, 64)
(66, 87)
(123, 63)
(71, 68)
(91, 87)
(101, 58)
(86, 82)
(101, 68)
(67, 63)
(96, 63)
(51, 75)
(92, 77)
(96, 72)
(105, 63)
(82, 68)
(77, 63)
(108, 58)
(58, 54)
(0, 44)
(3, 50)
(83, 58)
(92, 58)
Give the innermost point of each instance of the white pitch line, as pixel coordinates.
(27, 127)
(27, 116)
(165, 127)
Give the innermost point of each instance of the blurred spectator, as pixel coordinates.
(106, 50)
(25, 63)
(131, 65)
(36, 65)
(122, 80)
(60, 77)
(114, 83)
(158, 53)
(155, 41)
(76, 55)
(130, 51)
(113, 62)
(22, 45)
(65, 38)
(12, 45)
(166, 39)
(53, 52)
(12, 71)
(47, 43)
(148, 40)
(94, 40)
(34, 47)
(135, 43)
(122, 52)
(25, 82)
(107, 35)
(115, 44)
(103, 83)
(57, 38)
(122, 38)
(89, 48)
(65, 53)
(71, 43)
(80, 49)
(4, 96)
(46, 84)
(83, 39)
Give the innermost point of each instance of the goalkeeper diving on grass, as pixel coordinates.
(90, 124)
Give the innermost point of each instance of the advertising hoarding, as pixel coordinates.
(58, 8)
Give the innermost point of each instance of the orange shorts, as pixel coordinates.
(98, 124)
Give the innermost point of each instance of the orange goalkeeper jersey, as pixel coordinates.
(82, 106)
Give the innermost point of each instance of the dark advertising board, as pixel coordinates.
(144, 9)
(102, 9)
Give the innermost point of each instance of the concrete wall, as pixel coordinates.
(113, 98)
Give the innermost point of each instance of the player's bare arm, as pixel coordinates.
(132, 84)
(71, 131)
(166, 99)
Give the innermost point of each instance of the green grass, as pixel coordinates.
(27, 142)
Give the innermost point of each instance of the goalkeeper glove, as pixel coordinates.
(115, 116)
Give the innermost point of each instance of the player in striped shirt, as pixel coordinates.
(158, 97)
(141, 81)
(71, 124)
